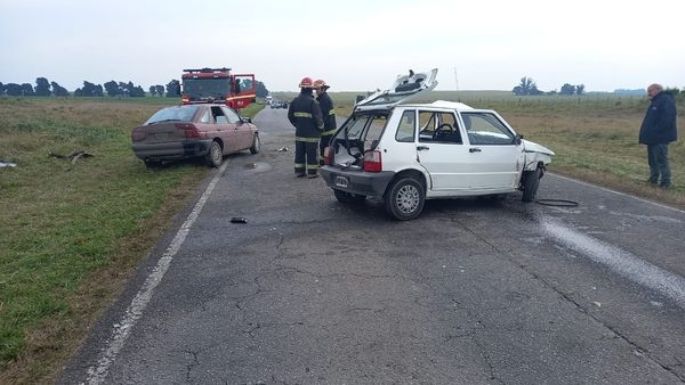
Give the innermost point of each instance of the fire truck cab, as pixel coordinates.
(218, 85)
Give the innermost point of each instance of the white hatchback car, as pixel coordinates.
(407, 153)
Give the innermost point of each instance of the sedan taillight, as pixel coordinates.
(372, 161)
(190, 130)
(137, 135)
(328, 156)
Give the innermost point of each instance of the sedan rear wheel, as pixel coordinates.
(405, 199)
(214, 156)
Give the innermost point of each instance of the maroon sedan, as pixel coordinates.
(193, 131)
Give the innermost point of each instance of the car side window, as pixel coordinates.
(232, 117)
(219, 116)
(485, 128)
(439, 127)
(407, 127)
(204, 118)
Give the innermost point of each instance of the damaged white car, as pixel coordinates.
(407, 153)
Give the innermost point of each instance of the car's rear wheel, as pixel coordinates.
(405, 198)
(531, 182)
(345, 197)
(215, 155)
(255, 145)
(152, 164)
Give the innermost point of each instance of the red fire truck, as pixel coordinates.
(218, 85)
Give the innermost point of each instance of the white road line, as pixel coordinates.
(98, 372)
(620, 261)
(618, 193)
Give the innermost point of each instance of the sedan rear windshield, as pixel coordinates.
(173, 114)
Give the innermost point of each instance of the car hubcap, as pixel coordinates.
(407, 199)
(216, 153)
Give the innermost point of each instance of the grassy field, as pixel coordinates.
(70, 234)
(594, 136)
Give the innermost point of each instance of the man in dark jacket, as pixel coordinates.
(328, 111)
(305, 114)
(658, 130)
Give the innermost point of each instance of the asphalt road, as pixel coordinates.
(310, 291)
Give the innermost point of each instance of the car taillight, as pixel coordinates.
(137, 135)
(190, 130)
(372, 161)
(185, 100)
(328, 156)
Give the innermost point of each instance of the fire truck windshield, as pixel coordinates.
(206, 88)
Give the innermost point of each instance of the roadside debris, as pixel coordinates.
(74, 156)
(598, 304)
(282, 149)
(239, 220)
(4, 164)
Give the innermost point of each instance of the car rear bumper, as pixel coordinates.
(357, 182)
(172, 150)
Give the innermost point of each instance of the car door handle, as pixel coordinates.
(421, 148)
(474, 149)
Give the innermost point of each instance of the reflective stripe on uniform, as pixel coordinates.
(302, 114)
(299, 165)
(329, 132)
(312, 166)
(308, 140)
(331, 112)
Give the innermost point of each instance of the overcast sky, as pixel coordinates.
(353, 45)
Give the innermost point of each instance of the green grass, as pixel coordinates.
(594, 136)
(62, 224)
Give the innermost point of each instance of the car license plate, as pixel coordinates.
(341, 181)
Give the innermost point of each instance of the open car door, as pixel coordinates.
(405, 88)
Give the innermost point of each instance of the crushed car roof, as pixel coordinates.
(442, 104)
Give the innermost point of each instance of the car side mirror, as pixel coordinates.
(246, 119)
(517, 139)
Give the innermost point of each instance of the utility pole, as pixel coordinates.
(456, 79)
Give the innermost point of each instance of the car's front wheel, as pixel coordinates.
(215, 155)
(255, 145)
(345, 197)
(531, 182)
(405, 198)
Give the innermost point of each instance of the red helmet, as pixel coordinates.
(319, 84)
(306, 82)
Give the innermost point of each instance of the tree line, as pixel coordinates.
(112, 88)
(527, 87)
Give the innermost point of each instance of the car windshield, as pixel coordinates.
(173, 114)
(206, 88)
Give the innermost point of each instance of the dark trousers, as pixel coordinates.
(657, 155)
(305, 157)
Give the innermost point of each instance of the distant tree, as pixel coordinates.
(580, 89)
(152, 90)
(262, 92)
(13, 89)
(173, 89)
(2, 89)
(58, 90)
(42, 87)
(27, 89)
(160, 89)
(112, 88)
(553, 92)
(136, 91)
(78, 92)
(672, 90)
(527, 86)
(90, 89)
(567, 89)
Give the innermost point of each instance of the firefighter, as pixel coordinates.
(328, 112)
(305, 114)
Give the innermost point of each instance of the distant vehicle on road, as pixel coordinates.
(218, 85)
(205, 131)
(278, 104)
(407, 153)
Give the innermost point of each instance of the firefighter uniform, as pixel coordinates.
(305, 114)
(328, 112)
